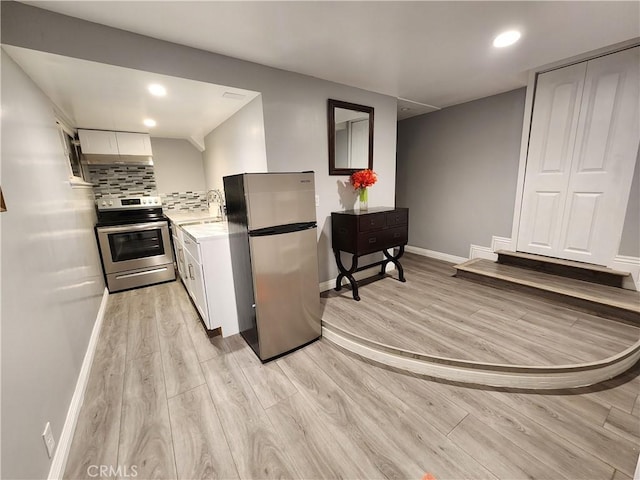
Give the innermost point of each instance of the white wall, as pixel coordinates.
(236, 146)
(178, 166)
(51, 276)
(294, 105)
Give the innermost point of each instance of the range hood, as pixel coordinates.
(111, 159)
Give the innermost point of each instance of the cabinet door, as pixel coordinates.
(197, 289)
(133, 143)
(98, 142)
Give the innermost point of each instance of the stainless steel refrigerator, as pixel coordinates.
(273, 241)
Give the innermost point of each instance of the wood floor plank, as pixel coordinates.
(182, 370)
(268, 382)
(145, 431)
(497, 453)
(95, 441)
(443, 414)
(618, 475)
(403, 426)
(255, 446)
(575, 428)
(318, 448)
(636, 407)
(319, 390)
(607, 328)
(206, 347)
(562, 456)
(142, 336)
(201, 450)
(625, 425)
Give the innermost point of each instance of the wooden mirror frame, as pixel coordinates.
(332, 105)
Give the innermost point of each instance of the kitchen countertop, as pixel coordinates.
(181, 217)
(206, 231)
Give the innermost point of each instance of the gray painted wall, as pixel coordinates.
(294, 105)
(178, 165)
(630, 242)
(236, 146)
(51, 276)
(457, 172)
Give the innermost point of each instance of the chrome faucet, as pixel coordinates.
(216, 196)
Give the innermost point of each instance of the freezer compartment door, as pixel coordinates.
(279, 199)
(287, 294)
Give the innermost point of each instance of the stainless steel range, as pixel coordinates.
(135, 242)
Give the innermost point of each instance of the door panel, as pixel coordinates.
(604, 161)
(553, 127)
(544, 224)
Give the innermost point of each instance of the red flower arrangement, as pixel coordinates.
(363, 178)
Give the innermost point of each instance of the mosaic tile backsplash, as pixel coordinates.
(139, 180)
(122, 180)
(184, 201)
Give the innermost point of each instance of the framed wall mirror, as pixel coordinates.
(350, 137)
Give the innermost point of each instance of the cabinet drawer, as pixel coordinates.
(397, 236)
(374, 221)
(399, 217)
(371, 242)
(192, 247)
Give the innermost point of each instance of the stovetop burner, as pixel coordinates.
(128, 210)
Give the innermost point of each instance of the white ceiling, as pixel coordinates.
(104, 97)
(433, 53)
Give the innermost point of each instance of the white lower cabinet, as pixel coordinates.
(204, 265)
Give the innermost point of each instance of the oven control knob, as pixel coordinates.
(144, 201)
(110, 203)
(104, 203)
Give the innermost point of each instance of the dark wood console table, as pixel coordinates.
(361, 232)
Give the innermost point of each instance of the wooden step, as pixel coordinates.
(565, 268)
(601, 299)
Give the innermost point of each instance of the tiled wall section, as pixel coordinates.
(185, 201)
(122, 180)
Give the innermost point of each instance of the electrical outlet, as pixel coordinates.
(317, 200)
(49, 441)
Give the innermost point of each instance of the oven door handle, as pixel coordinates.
(132, 228)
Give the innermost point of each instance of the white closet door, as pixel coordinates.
(604, 159)
(552, 138)
(575, 202)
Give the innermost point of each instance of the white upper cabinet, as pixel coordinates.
(133, 143)
(98, 142)
(103, 142)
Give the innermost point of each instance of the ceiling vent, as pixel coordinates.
(234, 96)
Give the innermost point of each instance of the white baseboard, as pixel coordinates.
(476, 251)
(61, 455)
(631, 265)
(433, 254)
(369, 272)
(500, 243)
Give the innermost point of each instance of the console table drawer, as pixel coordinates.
(374, 221)
(399, 217)
(369, 242)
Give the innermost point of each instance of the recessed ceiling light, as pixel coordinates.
(157, 90)
(149, 122)
(405, 109)
(506, 38)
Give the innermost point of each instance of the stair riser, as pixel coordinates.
(564, 271)
(588, 306)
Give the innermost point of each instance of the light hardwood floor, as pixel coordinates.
(435, 313)
(165, 398)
